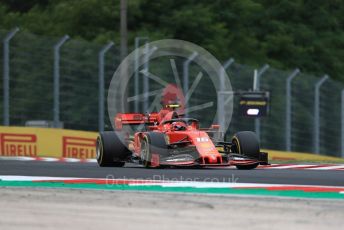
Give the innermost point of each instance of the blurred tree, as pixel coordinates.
(286, 33)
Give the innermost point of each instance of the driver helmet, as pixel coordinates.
(178, 126)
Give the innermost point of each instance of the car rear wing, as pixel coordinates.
(122, 119)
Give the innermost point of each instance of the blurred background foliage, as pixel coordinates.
(307, 34)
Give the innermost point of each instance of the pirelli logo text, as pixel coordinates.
(77, 147)
(18, 144)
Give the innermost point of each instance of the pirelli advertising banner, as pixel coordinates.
(47, 142)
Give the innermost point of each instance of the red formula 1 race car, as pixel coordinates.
(167, 139)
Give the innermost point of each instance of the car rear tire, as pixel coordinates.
(111, 150)
(247, 144)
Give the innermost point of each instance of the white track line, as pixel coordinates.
(166, 183)
(18, 158)
(289, 166)
(34, 178)
(71, 160)
(329, 167)
(49, 159)
(95, 161)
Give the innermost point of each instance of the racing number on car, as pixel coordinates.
(202, 139)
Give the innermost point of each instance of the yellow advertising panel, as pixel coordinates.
(47, 142)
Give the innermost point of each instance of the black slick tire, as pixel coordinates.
(111, 149)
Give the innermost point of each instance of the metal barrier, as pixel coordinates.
(65, 80)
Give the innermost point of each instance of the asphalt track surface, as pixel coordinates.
(131, 171)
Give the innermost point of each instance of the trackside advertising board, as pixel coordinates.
(47, 142)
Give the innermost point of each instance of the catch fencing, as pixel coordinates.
(305, 110)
